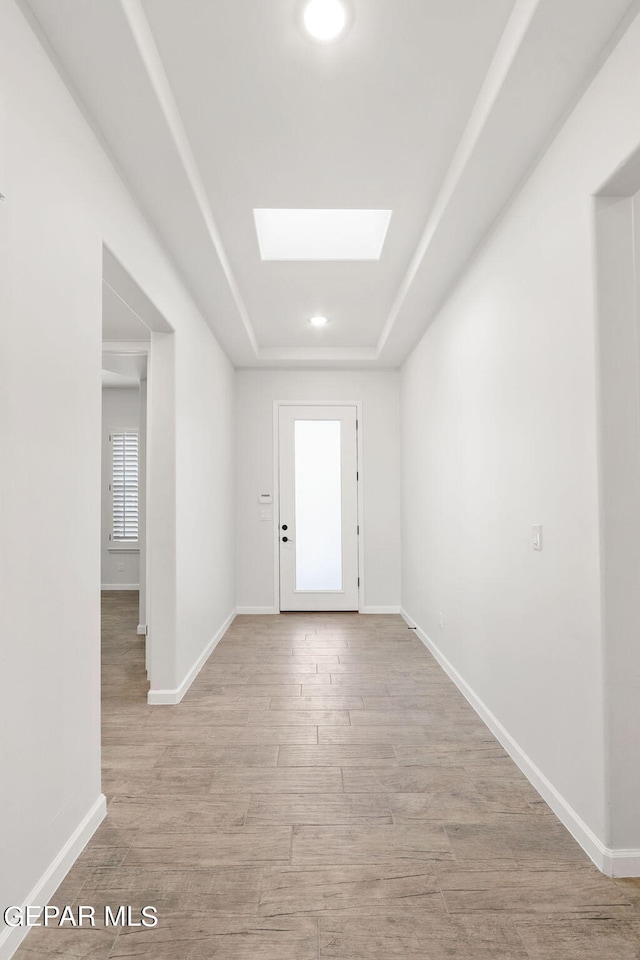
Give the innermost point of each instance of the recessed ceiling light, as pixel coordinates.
(321, 234)
(324, 20)
(318, 321)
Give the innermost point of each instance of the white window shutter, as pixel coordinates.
(124, 486)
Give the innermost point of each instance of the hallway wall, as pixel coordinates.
(256, 391)
(499, 411)
(63, 200)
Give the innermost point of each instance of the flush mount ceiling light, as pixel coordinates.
(318, 321)
(321, 234)
(325, 20)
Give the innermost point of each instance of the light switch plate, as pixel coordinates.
(537, 536)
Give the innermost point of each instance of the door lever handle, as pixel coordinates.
(287, 540)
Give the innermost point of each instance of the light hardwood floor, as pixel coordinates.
(324, 791)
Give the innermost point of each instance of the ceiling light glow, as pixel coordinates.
(324, 20)
(318, 321)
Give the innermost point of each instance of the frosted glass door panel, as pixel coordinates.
(318, 504)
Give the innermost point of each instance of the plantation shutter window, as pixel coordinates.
(124, 486)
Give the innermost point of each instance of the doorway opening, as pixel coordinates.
(617, 251)
(134, 391)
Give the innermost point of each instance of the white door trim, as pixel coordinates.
(276, 490)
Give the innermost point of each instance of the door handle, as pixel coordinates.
(287, 540)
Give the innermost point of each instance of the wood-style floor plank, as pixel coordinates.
(323, 792)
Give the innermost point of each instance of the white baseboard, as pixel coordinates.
(160, 697)
(613, 863)
(120, 586)
(379, 610)
(12, 937)
(256, 611)
(141, 630)
(270, 611)
(621, 863)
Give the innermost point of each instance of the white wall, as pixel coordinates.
(63, 201)
(618, 349)
(120, 411)
(256, 391)
(205, 497)
(499, 433)
(142, 508)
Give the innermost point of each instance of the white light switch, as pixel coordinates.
(537, 537)
(265, 514)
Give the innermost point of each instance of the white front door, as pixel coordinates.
(318, 510)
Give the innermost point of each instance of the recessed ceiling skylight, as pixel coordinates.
(321, 234)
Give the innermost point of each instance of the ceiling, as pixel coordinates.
(114, 381)
(127, 312)
(119, 320)
(123, 369)
(434, 109)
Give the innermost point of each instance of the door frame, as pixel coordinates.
(277, 404)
